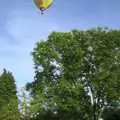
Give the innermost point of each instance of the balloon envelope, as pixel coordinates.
(43, 4)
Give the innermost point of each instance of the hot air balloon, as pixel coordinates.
(43, 4)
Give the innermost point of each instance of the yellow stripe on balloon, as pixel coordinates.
(47, 3)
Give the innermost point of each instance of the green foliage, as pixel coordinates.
(25, 110)
(8, 97)
(77, 72)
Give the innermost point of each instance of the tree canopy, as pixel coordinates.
(8, 97)
(76, 72)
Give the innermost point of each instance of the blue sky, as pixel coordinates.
(22, 25)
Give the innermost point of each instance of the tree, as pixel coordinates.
(24, 105)
(8, 97)
(77, 71)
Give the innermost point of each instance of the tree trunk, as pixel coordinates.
(95, 112)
